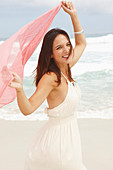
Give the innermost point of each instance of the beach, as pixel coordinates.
(93, 73)
(96, 140)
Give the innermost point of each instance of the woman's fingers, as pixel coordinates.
(15, 85)
(16, 82)
(13, 73)
(65, 8)
(17, 78)
(68, 7)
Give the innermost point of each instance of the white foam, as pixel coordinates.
(78, 69)
(17, 115)
(105, 114)
(82, 68)
(98, 44)
(101, 39)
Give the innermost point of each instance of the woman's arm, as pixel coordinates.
(80, 41)
(45, 86)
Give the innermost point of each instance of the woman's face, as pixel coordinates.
(61, 49)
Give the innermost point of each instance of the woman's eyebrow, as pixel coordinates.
(58, 46)
(61, 45)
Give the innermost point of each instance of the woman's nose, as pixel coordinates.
(66, 49)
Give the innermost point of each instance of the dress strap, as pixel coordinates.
(71, 83)
(65, 77)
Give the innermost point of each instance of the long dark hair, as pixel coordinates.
(46, 64)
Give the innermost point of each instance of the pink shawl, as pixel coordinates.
(15, 52)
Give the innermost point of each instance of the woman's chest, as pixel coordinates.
(57, 95)
(64, 92)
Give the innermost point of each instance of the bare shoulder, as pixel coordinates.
(49, 78)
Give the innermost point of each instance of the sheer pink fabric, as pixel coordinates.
(15, 52)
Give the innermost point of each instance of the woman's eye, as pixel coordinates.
(68, 44)
(58, 48)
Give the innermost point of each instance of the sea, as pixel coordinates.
(93, 73)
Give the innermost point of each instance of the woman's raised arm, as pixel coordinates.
(80, 41)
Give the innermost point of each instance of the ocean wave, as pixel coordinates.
(102, 39)
(40, 115)
(79, 69)
(82, 68)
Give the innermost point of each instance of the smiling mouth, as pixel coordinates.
(66, 57)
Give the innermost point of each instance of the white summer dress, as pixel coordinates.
(57, 145)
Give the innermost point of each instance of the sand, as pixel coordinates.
(96, 140)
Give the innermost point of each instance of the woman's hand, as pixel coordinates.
(68, 7)
(16, 82)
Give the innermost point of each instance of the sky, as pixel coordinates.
(96, 16)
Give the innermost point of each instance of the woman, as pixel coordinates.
(57, 144)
